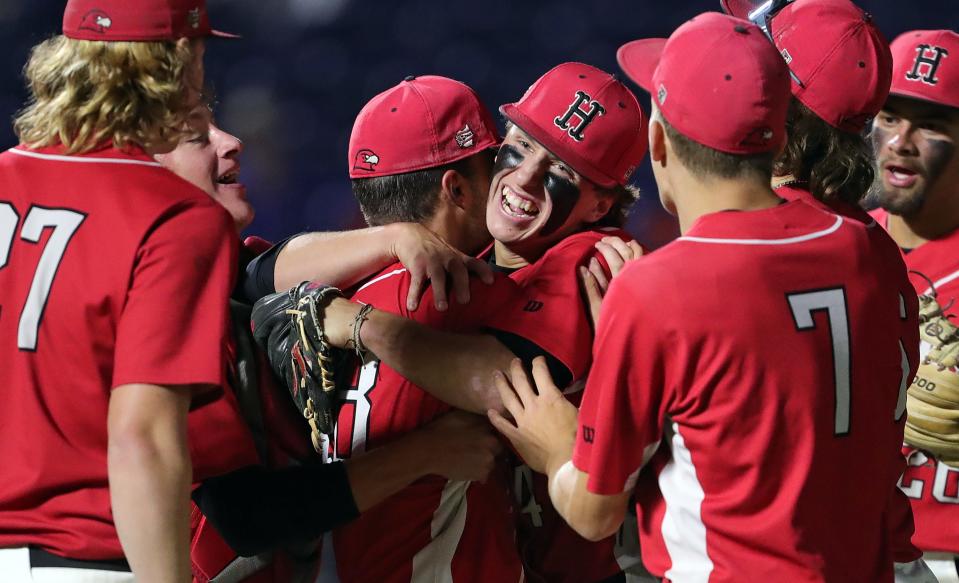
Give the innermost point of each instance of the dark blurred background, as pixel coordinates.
(292, 87)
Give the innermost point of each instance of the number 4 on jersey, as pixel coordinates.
(64, 223)
(526, 495)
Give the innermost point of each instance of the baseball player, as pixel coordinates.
(738, 344)
(915, 137)
(95, 238)
(560, 177)
(456, 446)
(433, 141)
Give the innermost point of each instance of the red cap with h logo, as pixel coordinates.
(137, 20)
(421, 123)
(926, 66)
(587, 118)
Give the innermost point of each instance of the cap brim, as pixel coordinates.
(639, 59)
(920, 97)
(226, 35)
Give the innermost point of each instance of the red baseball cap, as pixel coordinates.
(926, 66)
(717, 80)
(421, 123)
(832, 46)
(137, 20)
(587, 118)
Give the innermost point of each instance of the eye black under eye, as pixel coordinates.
(560, 186)
(508, 157)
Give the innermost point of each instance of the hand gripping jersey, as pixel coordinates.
(435, 529)
(551, 550)
(112, 271)
(933, 488)
(757, 345)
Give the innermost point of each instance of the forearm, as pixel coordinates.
(382, 472)
(457, 446)
(149, 475)
(339, 259)
(593, 516)
(455, 368)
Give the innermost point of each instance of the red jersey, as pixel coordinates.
(793, 192)
(758, 346)
(933, 488)
(551, 550)
(435, 529)
(112, 271)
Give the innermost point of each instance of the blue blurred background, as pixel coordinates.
(292, 87)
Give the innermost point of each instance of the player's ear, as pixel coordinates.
(455, 188)
(657, 142)
(604, 202)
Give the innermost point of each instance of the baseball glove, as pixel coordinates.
(932, 401)
(289, 327)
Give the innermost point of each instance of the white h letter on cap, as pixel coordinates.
(585, 117)
(933, 62)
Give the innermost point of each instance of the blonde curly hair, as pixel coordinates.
(83, 93)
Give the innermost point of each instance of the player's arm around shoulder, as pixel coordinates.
(454, 367)
(343, 259)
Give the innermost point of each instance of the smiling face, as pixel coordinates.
(208, 160)
(916, 154)
(536, 199)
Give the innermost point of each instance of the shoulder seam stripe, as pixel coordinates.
(941, 282)
(380, 278)
(57, 158)
(801, 239)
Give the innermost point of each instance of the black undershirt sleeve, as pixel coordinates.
(256, 280)
(527, 351)
(255, 509)
(239, 291)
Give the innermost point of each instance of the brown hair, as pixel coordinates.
(83, 93)
(624, 197)
(838, 165)
(410, 197)
(705, 161)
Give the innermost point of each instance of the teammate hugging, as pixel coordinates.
(770, 397)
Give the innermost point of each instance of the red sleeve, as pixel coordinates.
(486, 301)
(174, 324)
(624, 403)
(555, 316)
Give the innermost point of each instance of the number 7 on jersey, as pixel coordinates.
(64, 222)
(833, 301)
